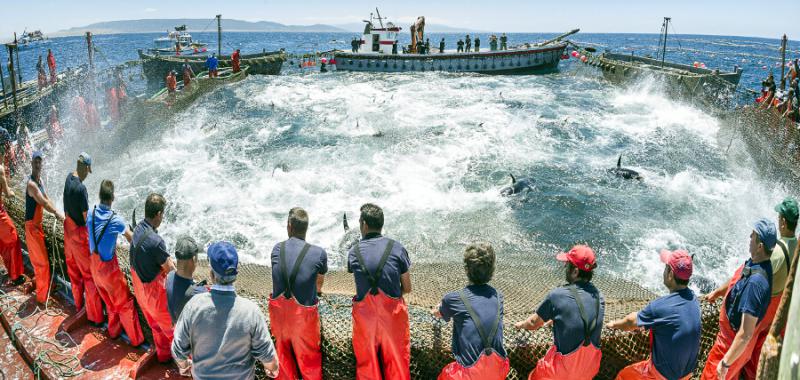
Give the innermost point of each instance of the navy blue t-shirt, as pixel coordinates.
(754, 293)
(372, 247)
(76, 199)
(179, 291)
(561, 308)
(467, 344)
(674, 322)
(314, 263)
(152, 252)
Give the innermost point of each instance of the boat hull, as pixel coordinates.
(522, 61)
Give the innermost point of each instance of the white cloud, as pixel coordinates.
(150, 10)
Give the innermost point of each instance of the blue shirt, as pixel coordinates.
(96, 220)
(76, 200)
(179, 291)
(152, 252)
(372, 247)
(561, 308)
(674, 322)
(212, 63)
(467, 344)
(314, 263)
(754, 294)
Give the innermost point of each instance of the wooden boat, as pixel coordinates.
(163, 100)
(31, 101)
(156, 67)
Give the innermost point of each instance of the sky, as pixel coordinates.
(717, 17)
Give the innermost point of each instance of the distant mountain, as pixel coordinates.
(192, 25)
(429, 28)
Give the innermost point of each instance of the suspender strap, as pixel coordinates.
(747, 272)
(96, 238)
(588, 328)
(138, 244)
(787, 259)
(374, 277)
(290, 278)
(486, 339)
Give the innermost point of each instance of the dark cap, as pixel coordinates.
(186, 248)
(224, 260)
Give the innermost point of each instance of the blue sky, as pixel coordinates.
(732, 17)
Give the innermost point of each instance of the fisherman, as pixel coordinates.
(780, 259)
(180, 285)
(236, 61)
(9, 154)
(477, 44)
(769, 84)
(788, 106)
(54, 130)
(427, 46)
(467, 44)
(51, 64)
(460, 45)
(150, 262)
(673, 322)
(477, 314)
(441, 46)
(104, 226)
(92, 117)
(576, 310)
(42, 76)
(380, 266)
(122, 91)
(211, 63)
(745, 303)
(113, 103)
(294, 317)
(188, 74)
(420, 47)
(219, 334)
(76, 241)
(493, 43)
(353, 45)
(35, 200)
(10, 248)
(172, 83)
(793, 71)
(394, 46)
(503, 42)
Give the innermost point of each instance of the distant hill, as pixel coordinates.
(429, 28)
(192, 25)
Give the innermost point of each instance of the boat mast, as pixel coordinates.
(219, 35)
(783, 63)
(664, 48)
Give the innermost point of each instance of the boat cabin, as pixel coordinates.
(379, 40)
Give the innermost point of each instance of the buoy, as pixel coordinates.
(574, 54)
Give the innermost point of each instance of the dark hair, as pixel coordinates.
(681, 282)
(479, 262)
(106, 191)
(154, 204)
(372, 215)
(298, 219)
(789, 224)
(582, 275)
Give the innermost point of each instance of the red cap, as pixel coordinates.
(581, 256)
(679, 261)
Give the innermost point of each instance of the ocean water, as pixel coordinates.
(435, 149)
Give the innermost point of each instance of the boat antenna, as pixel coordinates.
(380, 19)
(219, 35)
(665, 27)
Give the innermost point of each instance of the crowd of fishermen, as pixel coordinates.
(188, 74)
(464, 45)
(787, 103)
(210, 332)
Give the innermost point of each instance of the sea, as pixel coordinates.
(434, 151)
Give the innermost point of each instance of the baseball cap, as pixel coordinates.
(581, 256)
(679, 261)
(767, 233)
(85, 159)
(788, 209)
(224, 259)
(186, 248)
(37, 154)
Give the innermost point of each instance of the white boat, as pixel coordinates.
(178, 42)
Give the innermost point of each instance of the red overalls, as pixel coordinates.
(726, 335)
(152, 298)
(381, 339)
(114, 291)
(644, 370)
(295, 327)
(51, 64)
(54, 131)
(581, 364)
(113, 104)
(76, 253)
(490, 365)
(37, 251)
(235, 62)
(10, 249)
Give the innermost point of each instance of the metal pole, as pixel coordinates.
(91, 51)
(664, 49)
(11, 74)
(219, 35)
(783, 63)
(19, 67)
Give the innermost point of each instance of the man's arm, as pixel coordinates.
(320, 282)
(128, 234)
(628, 323)
(405, 283)
(168, 265)
(4, 182)
(37, 195)
(181, 345)
(718, 292)
(743, 336)
(261, 345)
(534, 322)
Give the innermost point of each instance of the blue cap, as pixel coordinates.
(85, 159)
(37, 154)
(767, 233)
(223, 258)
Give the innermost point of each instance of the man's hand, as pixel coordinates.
(59, 216)
(722, 370)
(435, 311)
(184, 367)
(716, 293)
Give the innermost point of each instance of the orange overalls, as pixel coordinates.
(152, 298)
(10, 248)
(381, 337)
(34, 238)
(76, 253)
(296, 328)
(235, 62)
(54, 129)
(581, 364)
(490, 365)
(51, 64)
(172, 85)
(644, 370)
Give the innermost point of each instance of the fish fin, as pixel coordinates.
(344, 222)
(619, 162)
(513, 180)
(133, 220)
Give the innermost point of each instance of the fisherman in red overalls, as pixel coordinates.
(35, 200)
(477, 314)
(381, 340)
(293, 314)
(113, 104)
(10, 249)
(51, 64)
(576, 310)
(54, 130)
(92, 116)
(41, 75)
(236, 61)
(188, 74)
(747, 298)
(172, 84)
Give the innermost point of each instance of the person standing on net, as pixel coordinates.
(150, 263)
(477, 314)
(747, 298)
(104, 226)
(674, 324)
(298, 272)
(380, 266)
(576, 310)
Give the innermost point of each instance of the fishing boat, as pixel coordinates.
(29, 100)
(694, 82)
(183, 96)
(383, 54)
(30, 37)
(177, 42)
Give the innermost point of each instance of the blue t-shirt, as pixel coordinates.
(314, 263)
(96, 220)
(152, 252)
(467, 344)
(561, 308)
(674, 322)
(179, 291)
(76, 200)
(212, 63)
(372, 247)
(754, 294)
